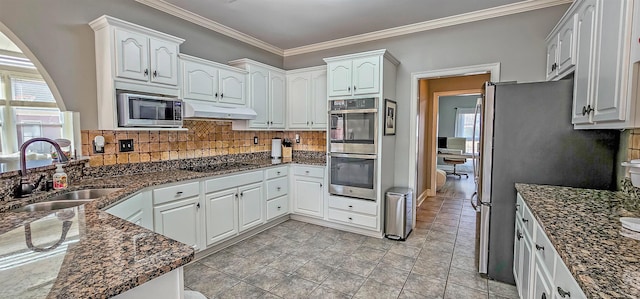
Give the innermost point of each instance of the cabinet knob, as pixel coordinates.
(146, 72)
(563, 293)
(320, 185)
(350, 207)
(279, 207)
(349, 88)
(306, 171)
(312, 123)
(155, 74)
(354, 88)
(198, 205)
(278, 188)
(584, 110)
(517, 207)
(350, 219)
(307, 123)
(222, 95)
(216, 95)
(525, 220)
(236, 195)
(544, 296)
(241, 193)
(178, 193)
(278, 172)
(519, 235)
(538, 247)
(589, 109)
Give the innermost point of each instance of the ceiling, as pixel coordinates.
(293, 23)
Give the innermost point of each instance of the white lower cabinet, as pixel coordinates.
(251, 206)
(221, 215)
(137, 209)
(308, 192)
(539, 271)
(179, 220)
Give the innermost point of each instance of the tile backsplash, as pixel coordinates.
(203, 139)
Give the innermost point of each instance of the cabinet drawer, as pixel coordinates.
(167, 194)
(277, 207)
(527, 221)
(277, 187)
(543, 248)
(353, 218)
(564, 282)
(232, 181)
(277, 172)
(309, 171)
(353, 205)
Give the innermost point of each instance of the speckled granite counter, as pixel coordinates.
(583, 225)
(90, 253)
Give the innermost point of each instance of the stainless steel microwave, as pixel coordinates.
(137, 110)
(353, 126)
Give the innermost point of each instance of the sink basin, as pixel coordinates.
(67, 199)
(52, 205)
(83, 194)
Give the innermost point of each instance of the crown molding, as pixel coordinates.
(197, 19)
(485, 14)
(474, 16)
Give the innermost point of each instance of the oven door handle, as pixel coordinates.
(370, 110)
(372, 157)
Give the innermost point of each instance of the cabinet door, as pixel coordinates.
(278, 105)
(518, 250)
(339, 76)
(231, 87)
(308, 196)
(251, 206)
(635, 35)
(541, 287)
(179, 220)
(366, 75)
(552, 55)
(132, 50)
(319, 100)
(585, 37)
(259, 96)
(199, 81)
(566, 46)
(164, 62)
(611, 65)
(527, 267)
(298, 87)
(221, 215)
(137, 209)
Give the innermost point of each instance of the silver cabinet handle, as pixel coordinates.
(563, 293)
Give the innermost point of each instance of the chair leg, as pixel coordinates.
(458, 174)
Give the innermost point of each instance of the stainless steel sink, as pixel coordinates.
(52, 205)
(84, 194)
(67, 199)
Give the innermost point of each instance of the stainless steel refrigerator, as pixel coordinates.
(527, 137)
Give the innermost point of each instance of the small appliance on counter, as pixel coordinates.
(276, 148)
(634, 171)
(287, 150)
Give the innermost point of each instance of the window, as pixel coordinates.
(465, 127)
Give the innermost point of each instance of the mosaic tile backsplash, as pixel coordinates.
(203, 139)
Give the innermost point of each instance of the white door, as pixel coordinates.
(298, 87)
(611, 66)
(231, 87)
(366, 75)
(179, 220)
(339, 76)
(164, 62)
(582, 86)
(308, 196)
(566, 46)
(251, 206)
(221, 213)
(259, 96)
(278, 105)
(132, 50)
(199, 81)
(552, 54)
(319, 100)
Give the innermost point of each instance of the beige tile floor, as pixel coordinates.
(300, 260)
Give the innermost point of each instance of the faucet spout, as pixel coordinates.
(23, 152)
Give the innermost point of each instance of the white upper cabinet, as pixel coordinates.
(134, 58)
(205, 80)
(360, 74)
(267, 94)
(552, 54)
(307, 96)
(602, 37)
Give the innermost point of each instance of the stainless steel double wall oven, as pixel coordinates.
(353, 147)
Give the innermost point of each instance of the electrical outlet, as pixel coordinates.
(255, 140)
(126, 145)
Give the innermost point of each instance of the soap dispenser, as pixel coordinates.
(60, 178)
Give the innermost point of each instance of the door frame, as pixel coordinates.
(492, 68)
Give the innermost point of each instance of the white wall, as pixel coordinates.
(516, 41)
(58, 35)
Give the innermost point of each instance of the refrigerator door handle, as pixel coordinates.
(473, 204)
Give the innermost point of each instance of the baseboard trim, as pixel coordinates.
(322, 222)
(422, 197)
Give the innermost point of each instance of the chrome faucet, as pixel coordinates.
(26, 187)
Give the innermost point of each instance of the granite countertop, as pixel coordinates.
(583, 225)
(87, 252)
